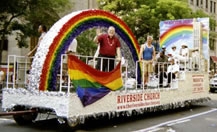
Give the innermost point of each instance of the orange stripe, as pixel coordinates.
(104, 77)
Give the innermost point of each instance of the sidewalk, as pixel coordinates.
(213, 96)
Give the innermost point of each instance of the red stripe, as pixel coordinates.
(105, 77)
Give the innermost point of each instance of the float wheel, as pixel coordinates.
(26, 118)
(72, 124)
(67, 125)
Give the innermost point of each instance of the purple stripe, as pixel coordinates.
(91, 95)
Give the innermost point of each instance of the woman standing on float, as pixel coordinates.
(147, 55)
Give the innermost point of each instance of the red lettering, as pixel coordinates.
(118, 99)
(151, 96)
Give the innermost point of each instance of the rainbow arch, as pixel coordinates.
(56, 41)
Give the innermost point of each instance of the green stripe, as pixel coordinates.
(85, 84)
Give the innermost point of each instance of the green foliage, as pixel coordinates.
(26, 15)
(86, 46)
(172, 9)
(143, 16)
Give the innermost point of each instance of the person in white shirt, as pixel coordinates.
(73, 47)
(184, 52)
(172, 71)
(41, 29)
(174, 52)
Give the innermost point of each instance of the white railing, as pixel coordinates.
(159, 69)
(18, 77)
(90, 60)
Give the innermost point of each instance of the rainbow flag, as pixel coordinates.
(91, 84)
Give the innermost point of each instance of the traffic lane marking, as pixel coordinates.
(5, 120)
(180, 120)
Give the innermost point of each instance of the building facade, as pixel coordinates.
(13, 49)
(210, 8)
(84, 4)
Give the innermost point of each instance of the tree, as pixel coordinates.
(24, 16)
(86, 46)
(143, 16)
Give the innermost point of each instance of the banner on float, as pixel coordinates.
(137, 100)
(181, 31)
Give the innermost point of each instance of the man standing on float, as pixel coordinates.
(41, 29)
(109, 48)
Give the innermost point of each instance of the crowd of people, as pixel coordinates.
(165, 63)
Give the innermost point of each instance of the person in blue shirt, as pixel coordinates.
(147, 56)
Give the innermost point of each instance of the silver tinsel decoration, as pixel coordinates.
(115, 114)
(39, 58)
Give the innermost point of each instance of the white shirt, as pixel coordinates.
(195, 54)
(41, 37)
(174, 53)
(97, 51)
(73, 46)
(173, 68)
(184, 52)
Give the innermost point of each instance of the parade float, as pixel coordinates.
(87, 92)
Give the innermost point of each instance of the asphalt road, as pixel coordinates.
(200, 118)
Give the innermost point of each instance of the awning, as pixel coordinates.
(214, 58)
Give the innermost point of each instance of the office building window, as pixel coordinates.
(206, 3)
(212, 43)
(210, 6)
(214, 4)
(201, 2)
(197, 2)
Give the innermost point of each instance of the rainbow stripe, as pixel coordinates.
(174, 33)
(91, 84)
(72, 28)
(85, 76)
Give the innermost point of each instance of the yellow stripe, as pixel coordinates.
(114, 85)
(78, 75)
